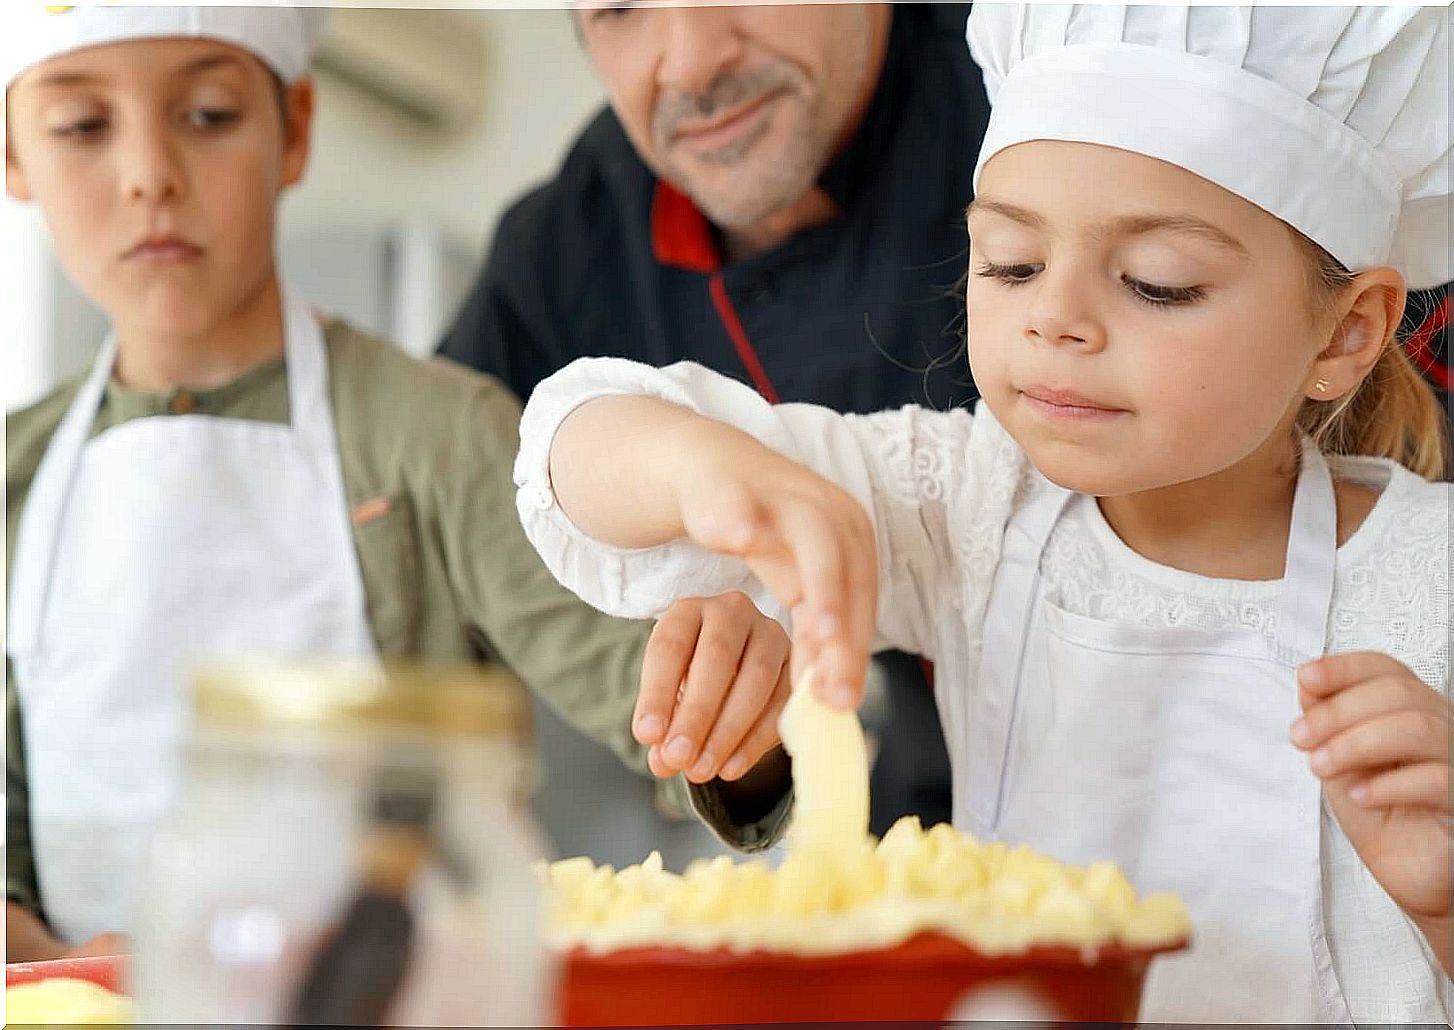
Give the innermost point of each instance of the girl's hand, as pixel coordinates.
(809, 541)
(1379, 739)
(713, 683)
(637, 472)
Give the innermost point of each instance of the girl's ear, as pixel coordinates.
(1371, 308)
(297, 129)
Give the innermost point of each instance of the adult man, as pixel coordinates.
(776, 192)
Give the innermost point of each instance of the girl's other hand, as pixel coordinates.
(1380, 740)
(713, 683)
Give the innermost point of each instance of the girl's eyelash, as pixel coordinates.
(1163, 296)
(1010, 274)
(1147, 293)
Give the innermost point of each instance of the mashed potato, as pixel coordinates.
(65, 1002)
(993, 897)
(839, 890)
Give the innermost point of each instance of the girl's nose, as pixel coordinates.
(1061, 314)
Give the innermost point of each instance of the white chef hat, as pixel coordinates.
(282, 36)
(1334, 119)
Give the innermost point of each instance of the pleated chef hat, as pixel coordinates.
(283, 37)
(1334, 119)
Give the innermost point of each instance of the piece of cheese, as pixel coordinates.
(64, 1001)
(830, 772)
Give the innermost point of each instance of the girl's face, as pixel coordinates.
(1131, 324)
(158, 165)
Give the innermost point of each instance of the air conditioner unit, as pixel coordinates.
(427, 65)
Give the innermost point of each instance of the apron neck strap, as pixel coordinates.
(1312, 555)
(45, 507)
(306, 358)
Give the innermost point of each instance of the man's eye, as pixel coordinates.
(1009, 274)
(609, 12)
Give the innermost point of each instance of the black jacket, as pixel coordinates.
(860, 314)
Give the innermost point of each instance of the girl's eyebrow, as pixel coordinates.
(998, 207)
(1126, 225)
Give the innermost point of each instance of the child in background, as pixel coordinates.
(235, 476)
(1184, 572)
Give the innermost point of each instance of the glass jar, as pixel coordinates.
(351, 846)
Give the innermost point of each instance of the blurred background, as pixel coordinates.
(429, 123)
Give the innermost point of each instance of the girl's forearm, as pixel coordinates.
(613, 467)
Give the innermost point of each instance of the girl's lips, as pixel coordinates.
(1068, 406)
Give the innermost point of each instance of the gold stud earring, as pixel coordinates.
(1321, 386)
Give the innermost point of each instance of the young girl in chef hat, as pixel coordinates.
(236, 475)
(1202, 464)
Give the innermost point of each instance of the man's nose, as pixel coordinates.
(700, 44)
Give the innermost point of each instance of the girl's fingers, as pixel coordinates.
(1422, 785)
(1326, 676)
(1370, 698)
(811, 544)
(826, 552)
(1398, 738)
(863, 594)
(763, 736)
(709, 679)
(664, 667)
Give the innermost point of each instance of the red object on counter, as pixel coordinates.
(107, 971)
(923, 979)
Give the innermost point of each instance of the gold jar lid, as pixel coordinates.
(452, 700)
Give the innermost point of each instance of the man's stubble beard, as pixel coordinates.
(753, 188)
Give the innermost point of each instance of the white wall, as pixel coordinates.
(369, 166)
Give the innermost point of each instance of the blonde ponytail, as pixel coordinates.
(1394, 413)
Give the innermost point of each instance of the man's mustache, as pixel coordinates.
(727, 91)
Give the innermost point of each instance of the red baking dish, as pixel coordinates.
(108, 971)
(922, 979)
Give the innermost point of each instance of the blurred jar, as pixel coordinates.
(352, 847)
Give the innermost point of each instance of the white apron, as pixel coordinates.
(162, 541)
(1166, 749)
